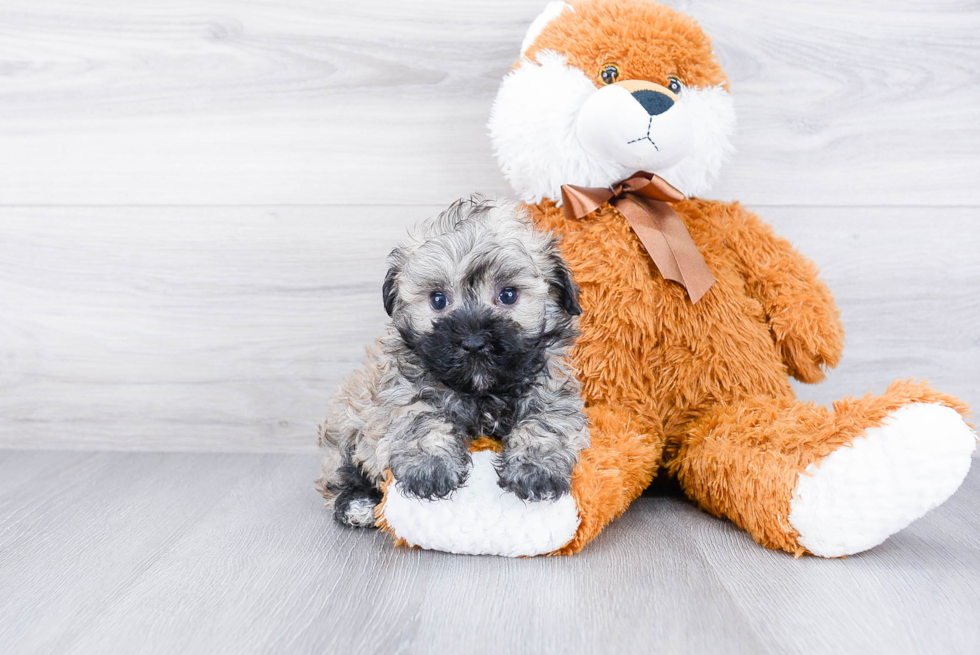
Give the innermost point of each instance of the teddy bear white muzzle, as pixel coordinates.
(643, 129)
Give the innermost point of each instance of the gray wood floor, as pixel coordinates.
(234, 553)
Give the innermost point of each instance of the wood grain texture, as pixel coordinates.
(210, 553)
(297, 102)
(227, 328)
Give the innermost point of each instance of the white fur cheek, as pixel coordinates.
(532, 129)
(613, 126)
(712, 116)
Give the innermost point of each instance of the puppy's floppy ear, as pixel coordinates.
(389, 290)
(560, 279)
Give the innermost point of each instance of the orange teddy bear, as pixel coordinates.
(695, 314)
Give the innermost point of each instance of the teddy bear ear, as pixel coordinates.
(551, 12)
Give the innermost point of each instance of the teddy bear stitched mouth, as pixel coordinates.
(646, 137)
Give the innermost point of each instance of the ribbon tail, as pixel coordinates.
(578, 202)
(655, 242)
(670, 245)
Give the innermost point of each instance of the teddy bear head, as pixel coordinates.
(606, 88)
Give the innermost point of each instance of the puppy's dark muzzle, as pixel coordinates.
(469, 335)
(473, 344)
(476, 350)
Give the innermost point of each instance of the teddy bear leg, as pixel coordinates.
(625, 453)
(801, 478)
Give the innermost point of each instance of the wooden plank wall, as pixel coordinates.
(191, 246)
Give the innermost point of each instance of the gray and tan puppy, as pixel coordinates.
(482, 313)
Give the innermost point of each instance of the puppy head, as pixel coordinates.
(481, 297)
(605, 88)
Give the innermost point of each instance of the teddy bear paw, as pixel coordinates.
(858, 496)
(481, 519)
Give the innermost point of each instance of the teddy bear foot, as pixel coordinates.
(858, 496)
(479, 518)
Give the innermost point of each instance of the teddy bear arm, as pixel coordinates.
(803, 318)
(625, 453)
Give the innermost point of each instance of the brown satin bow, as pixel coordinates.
(643, 199)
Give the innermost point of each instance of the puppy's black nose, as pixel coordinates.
(653, 101)
(473, 343)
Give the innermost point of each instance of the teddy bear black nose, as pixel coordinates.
(653, 101)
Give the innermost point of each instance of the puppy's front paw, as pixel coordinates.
(533, 480)
(430, 478)
(354, 509)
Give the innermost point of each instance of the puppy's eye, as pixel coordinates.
(508, 296)
(674, 84)
(609, 73)
(438, 300)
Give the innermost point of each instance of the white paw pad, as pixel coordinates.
(860, 495)
(480, 518)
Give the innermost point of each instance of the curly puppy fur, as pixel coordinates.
(491, 362)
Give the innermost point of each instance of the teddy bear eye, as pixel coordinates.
(609, 73)
(674, 84)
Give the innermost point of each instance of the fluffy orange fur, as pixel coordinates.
(646, 41)
(702, 391)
